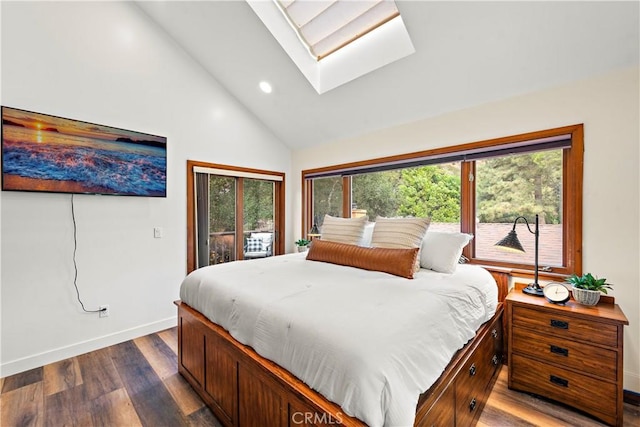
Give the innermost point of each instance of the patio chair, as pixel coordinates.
(258, 245)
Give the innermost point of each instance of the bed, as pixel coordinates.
(261, 350)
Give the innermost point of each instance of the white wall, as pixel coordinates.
(107, 63)
(609, 108)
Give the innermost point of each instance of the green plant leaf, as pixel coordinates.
(589, 281)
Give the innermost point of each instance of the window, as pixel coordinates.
(327, 198)
(432, 191)
(232, 214)
(524, 184)
(375, 194)
(477, 188)
(216, 219)
(326, 26)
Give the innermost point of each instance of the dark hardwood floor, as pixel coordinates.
(136, 383)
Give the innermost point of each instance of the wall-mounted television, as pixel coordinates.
(52, 154)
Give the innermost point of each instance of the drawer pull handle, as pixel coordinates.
(472, 370)
(559, 350)
(472, 405)
(559, 381)
(494, 333)
(494, 360)
(559, 324)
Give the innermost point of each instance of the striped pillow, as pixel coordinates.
(400, 233)
(343, 230)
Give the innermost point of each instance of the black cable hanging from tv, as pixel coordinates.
(75, 264)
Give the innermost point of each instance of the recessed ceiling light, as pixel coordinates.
(126, 36)
(266, 87)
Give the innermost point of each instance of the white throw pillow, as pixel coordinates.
(441, 251)
(343, 230)
(367, 235)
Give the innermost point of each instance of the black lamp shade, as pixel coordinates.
(511, 242)
(314, 231)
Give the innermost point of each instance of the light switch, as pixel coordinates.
(157, 232)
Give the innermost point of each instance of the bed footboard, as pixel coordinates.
(244, 389)
(240, 386)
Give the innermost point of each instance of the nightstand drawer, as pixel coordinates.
(560, 325)
(596, 397)
(582, 357)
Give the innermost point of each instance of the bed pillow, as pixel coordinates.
(400, 233)
(441, 251)
(342, 230)
(399, 262)
(367, 234)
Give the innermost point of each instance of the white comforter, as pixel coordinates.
(369, 341)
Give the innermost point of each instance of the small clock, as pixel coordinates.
(556, 293)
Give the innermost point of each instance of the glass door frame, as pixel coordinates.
(238, 172)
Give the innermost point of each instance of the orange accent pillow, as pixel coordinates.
(399, 262)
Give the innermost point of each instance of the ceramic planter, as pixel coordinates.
(585, 296)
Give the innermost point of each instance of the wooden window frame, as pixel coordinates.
(572, 188)
(279, 219)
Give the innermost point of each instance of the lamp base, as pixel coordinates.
(533, 289)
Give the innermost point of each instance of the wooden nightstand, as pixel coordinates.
(571, 353)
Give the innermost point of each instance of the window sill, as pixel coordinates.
(523, 273)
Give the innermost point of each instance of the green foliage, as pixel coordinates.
(302, 242)
(506, 187)
(525, 184)
(589, 282)
(222, 204)
(430, 191)
(258, 204)
(327, 197)
(377, 193)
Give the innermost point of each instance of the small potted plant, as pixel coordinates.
(587, 288)
(303, 244)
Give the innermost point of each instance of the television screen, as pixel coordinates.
(47, 153)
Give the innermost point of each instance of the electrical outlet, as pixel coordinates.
(157, 232)
(104, 310)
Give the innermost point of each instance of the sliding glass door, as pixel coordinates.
(236, 217)
(258, 213)
(216, 202)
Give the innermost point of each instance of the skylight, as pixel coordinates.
(326, 26)
(335, 42)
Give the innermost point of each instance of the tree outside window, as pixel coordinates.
(520, 185)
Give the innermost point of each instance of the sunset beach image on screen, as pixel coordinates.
(41, 152)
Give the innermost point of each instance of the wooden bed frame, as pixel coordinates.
(244, 389)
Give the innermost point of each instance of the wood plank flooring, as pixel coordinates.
(136, 383)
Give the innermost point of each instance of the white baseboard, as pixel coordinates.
(631, 381)
(55, 355)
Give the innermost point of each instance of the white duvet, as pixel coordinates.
(368, 341)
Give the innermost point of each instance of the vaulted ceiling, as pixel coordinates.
(467, 53)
